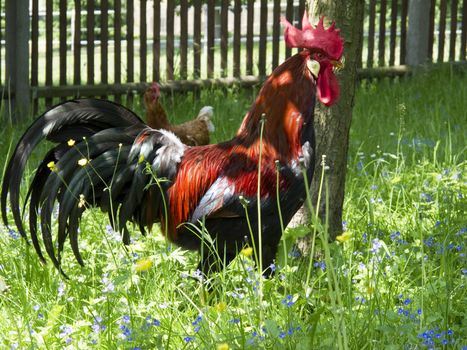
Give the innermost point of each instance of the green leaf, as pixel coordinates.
(272, 328)
(297, 232)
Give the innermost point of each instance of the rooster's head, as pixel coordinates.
(325, 47)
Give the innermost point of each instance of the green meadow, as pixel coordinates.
(395, 279)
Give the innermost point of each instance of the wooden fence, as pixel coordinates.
(114, 47)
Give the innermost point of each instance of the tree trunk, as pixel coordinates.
(418, 32)
(332, 124)
(17, 59)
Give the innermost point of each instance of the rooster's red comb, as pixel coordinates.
(327, 40)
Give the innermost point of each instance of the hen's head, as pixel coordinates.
(154, 91)
(325, 47)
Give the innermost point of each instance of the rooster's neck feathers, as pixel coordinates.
(286, 103)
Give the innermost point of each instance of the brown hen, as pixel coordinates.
(192, 133)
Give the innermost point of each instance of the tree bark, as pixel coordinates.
(332, 124)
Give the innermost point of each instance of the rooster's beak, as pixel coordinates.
(338, 65)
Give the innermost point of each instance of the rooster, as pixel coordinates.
(192, 133)
(106, 157)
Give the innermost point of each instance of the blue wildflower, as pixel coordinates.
(13, 233)
(282, 335)
(197, 274)
(344, 225)
(109, 287)
(376, 246)
(429, 241)
(288, 301)
(294, 253)
(109, 229)
(188, 339)
(126, 331)
(395, 235)
(150, 321)
(426, 197)
(197, 320)
(97, 326)
(65, 332)
(235, 321)
(320, 264)
(61, 289)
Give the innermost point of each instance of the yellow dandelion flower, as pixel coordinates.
(248, 251)
(344, 237)
(82, 161)
(395, 179)
(370, 290)
(221, 306)
(71, 142)
(143, 265)
(223, 346)
(51, 165)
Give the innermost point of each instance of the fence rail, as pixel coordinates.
(86, 47)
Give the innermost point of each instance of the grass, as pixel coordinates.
(396, 279)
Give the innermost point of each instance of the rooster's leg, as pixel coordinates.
(215, 260)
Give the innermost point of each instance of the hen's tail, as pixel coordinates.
(205, 114)
(97, 161)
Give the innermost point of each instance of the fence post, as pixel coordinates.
(17, 58)
(418, 32)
